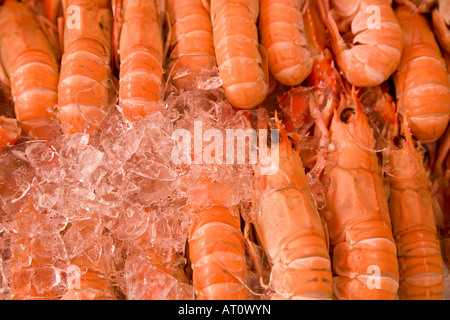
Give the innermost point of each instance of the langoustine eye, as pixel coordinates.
(399, 141)
(347, 114)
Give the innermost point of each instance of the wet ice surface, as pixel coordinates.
(109, 209)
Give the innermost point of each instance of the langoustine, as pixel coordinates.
(191, 49)
(440, 18)
(191, 29)
(86, 88)
(371, 48)
(283, 35)
(424, 6)
(50, 9)
(421, 80)
(30, 63)
(140, 56)
(357, 211)
(217, 247)
(289, 228)
(441, 194)
(413, 220)
(34, 79)
(241, 66)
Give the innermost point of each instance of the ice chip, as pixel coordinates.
(181, 291)
(131, 224)
(94, 251)
(48, 250)
(210, 83)
(15, 187)
(154, 170)
(149, 190)
(44, 282)
(167, 230)
(82, 194)
(41, 156)
(145, 281)
(80, 234)
(52, 223)
(88, 161)
(122, 145)
(47, 195)
(79, 139)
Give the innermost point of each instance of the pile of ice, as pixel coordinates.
(109, 204)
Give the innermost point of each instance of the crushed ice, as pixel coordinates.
(103, 207)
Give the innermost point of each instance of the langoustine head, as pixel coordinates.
(349, 121)
(405, 160)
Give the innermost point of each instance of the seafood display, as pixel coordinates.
(224, 150)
